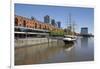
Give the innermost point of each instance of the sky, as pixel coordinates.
(82, 16)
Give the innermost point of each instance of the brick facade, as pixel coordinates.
(29, 23)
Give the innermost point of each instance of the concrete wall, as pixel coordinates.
(32, 41)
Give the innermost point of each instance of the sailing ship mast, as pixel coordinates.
(70, 38)
(71, 26)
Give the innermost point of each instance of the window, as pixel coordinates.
(35, 25)
(16, 21)
(24, 23)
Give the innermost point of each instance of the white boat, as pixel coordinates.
(69, 39)
(71, 27)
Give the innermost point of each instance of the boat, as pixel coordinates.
(69, 39)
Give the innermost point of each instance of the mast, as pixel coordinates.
(70, 22)
(70, 19)
(70, 25)
(73, 27)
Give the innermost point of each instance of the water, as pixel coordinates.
(56, 52)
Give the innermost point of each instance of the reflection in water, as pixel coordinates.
(68, 47)
(84, 42)
(36, 54)
(55, 52)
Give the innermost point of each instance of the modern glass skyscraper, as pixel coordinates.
(59, 24)
(84, 30)
(47, 19)
(53, 22)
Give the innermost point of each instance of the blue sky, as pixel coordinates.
(83, 17)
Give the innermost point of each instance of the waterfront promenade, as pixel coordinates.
(33, 41)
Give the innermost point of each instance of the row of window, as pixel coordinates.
(35, 25)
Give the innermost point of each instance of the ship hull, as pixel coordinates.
(68, 42)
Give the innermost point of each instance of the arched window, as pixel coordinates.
(45, 27)
(40, 26)
(35, 25)
(16, 22)
(24, 23)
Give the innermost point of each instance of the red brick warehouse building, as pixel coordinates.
(35, 27)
